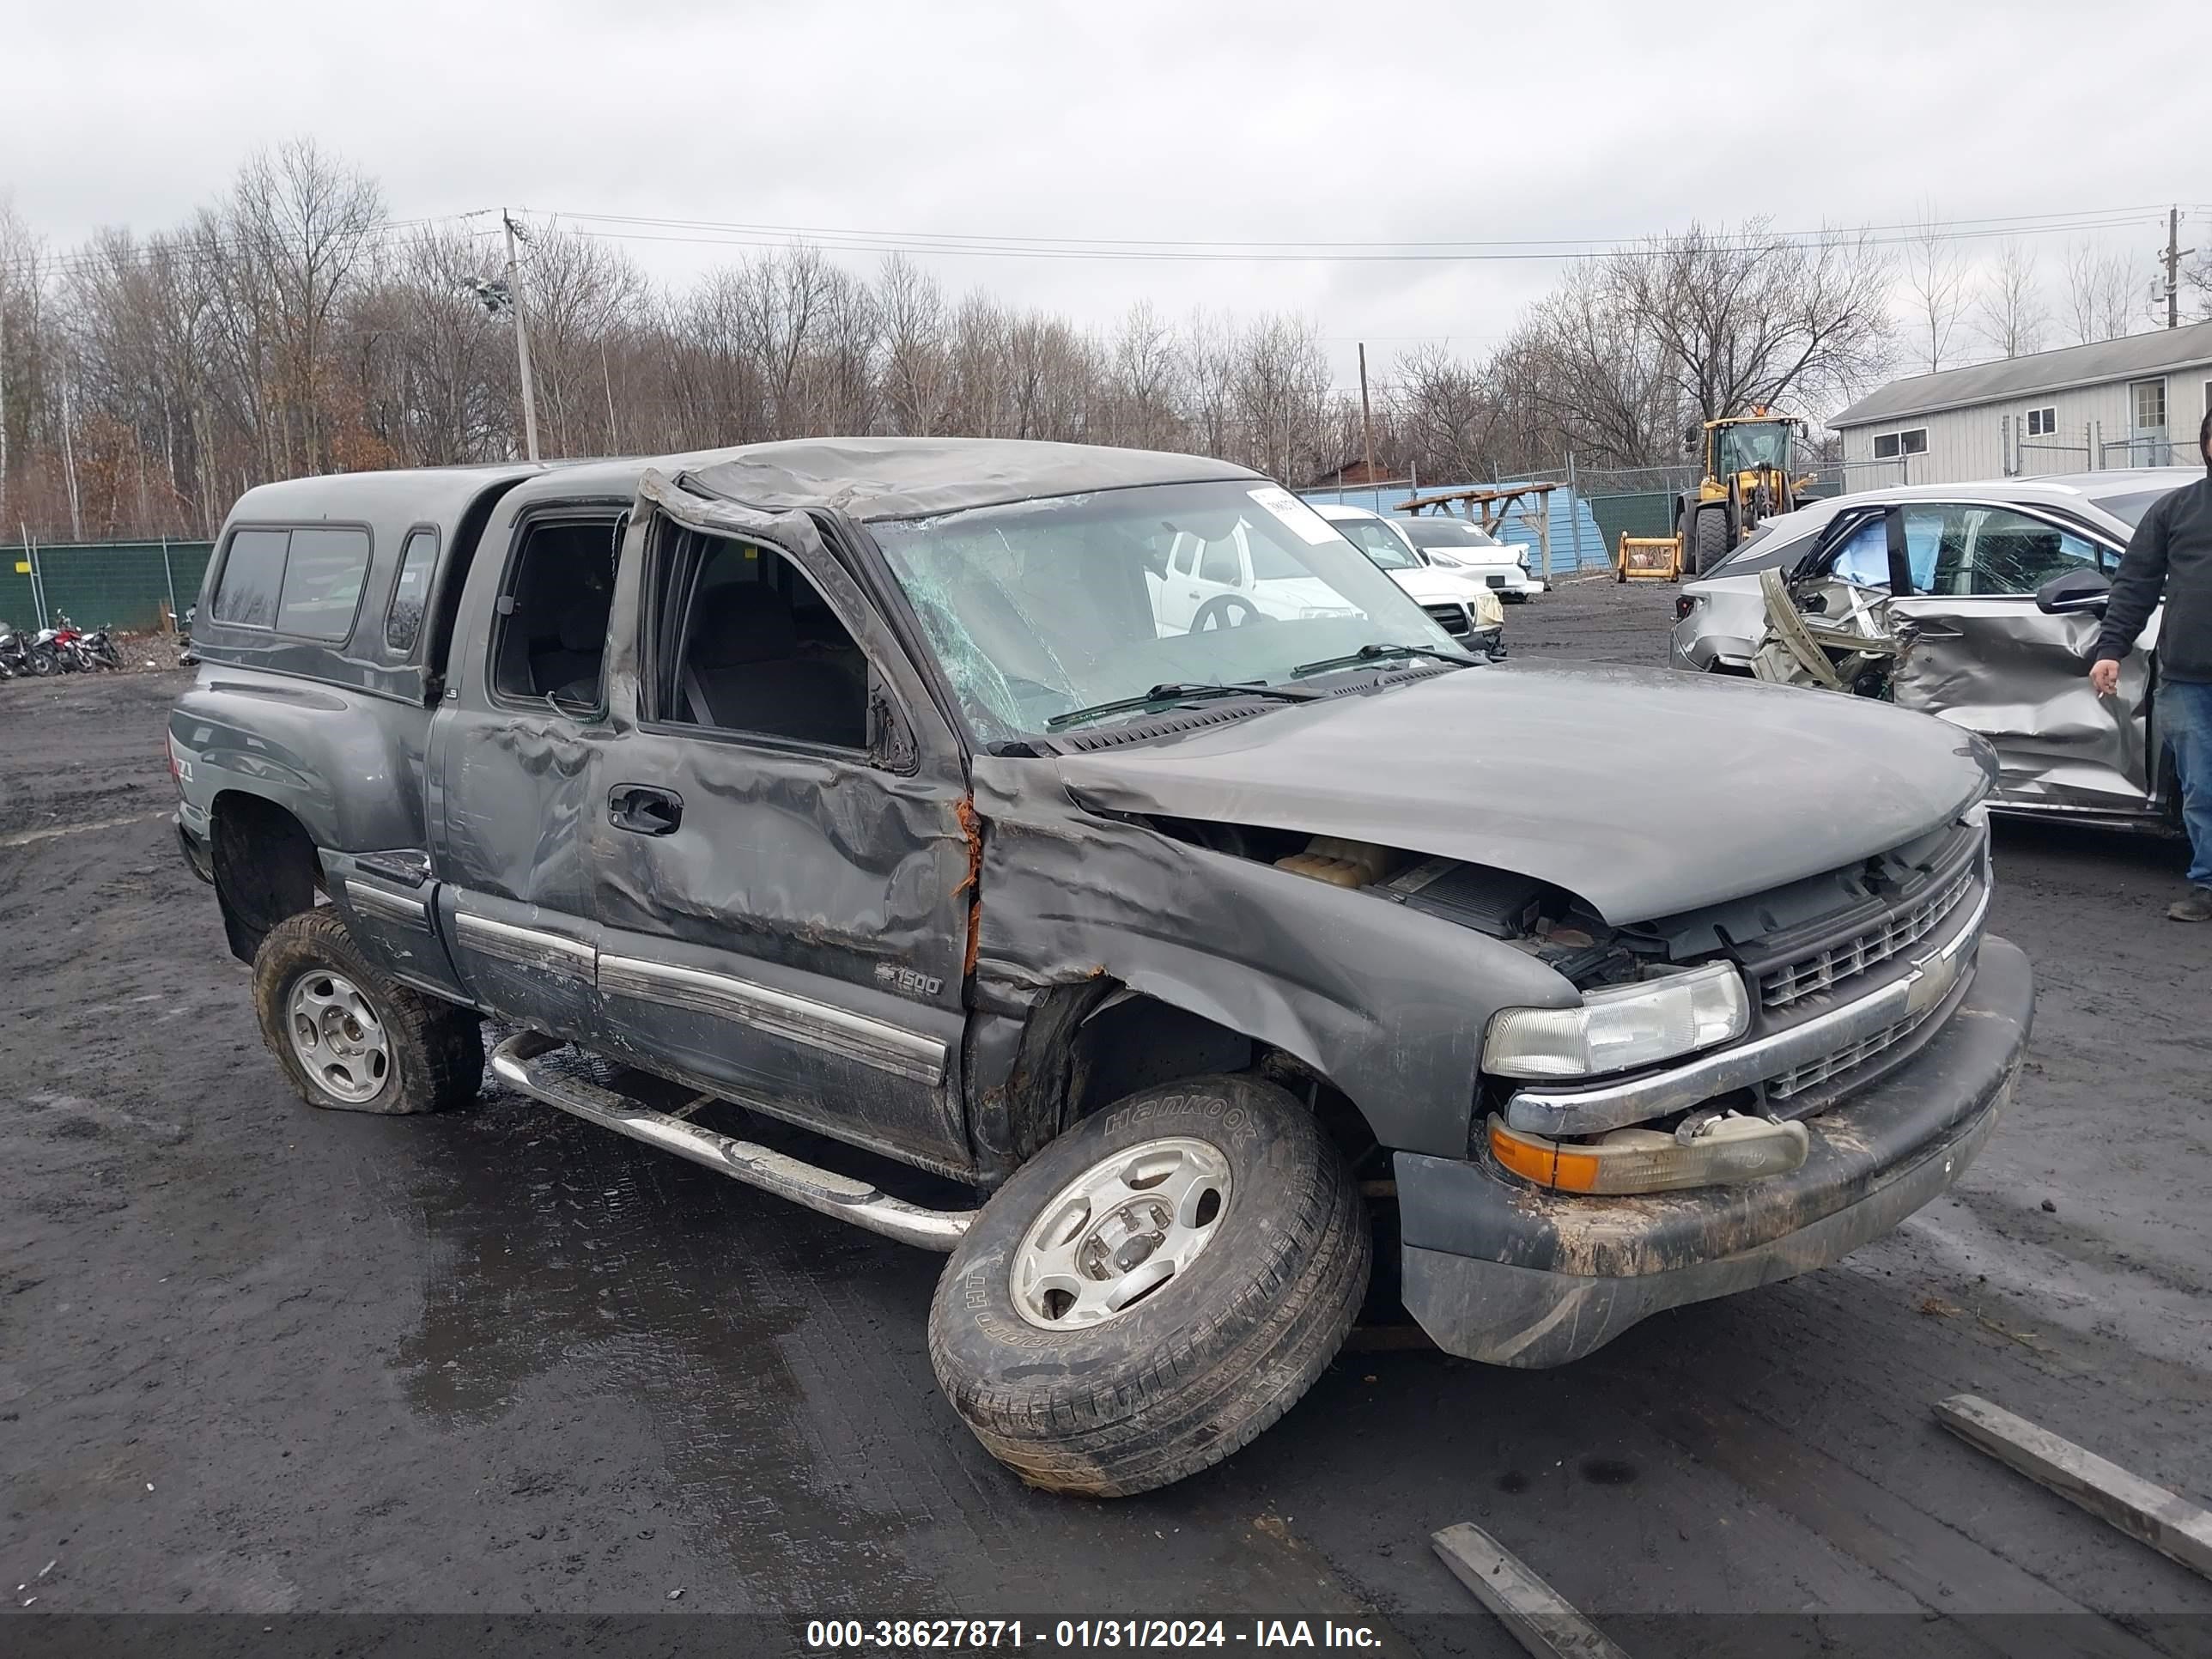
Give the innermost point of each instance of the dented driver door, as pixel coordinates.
(1976, 650)
(781, 876)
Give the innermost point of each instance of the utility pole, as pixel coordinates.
(1366, 418)
(2172, 257)
(69, 465)
(521, 341)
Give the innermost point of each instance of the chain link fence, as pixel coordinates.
(122, 584)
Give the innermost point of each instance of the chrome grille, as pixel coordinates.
(1898, 930)
(1833, 1065)
(1451, 617)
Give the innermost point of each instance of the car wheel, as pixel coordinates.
(1154, 1289)
(351, 1040)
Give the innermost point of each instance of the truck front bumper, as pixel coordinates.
(1502, 1272)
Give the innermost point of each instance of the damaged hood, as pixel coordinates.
(1646, 792)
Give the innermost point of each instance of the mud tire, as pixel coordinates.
(1708, 542)
(1197, 1370)
(436, 1050)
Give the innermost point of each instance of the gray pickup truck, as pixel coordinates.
(856, 818)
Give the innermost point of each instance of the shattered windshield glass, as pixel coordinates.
(1039, 608)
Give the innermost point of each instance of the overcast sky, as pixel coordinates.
(1201, 120)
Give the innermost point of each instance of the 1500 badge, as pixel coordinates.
(905, 980)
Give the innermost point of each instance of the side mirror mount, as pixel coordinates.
(2075, 591)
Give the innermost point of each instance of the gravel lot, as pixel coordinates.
(255, 1359)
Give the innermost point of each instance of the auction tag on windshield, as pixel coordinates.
(1295, 513)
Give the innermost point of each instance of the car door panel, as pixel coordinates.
(1979, 652)
(2021, 679)
(797, 940)
(513, 781)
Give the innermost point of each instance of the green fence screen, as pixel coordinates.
(1641, 513)
(101, 584)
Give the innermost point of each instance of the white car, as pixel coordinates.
(1458, 545)
(1225, 582)
(1467, 607)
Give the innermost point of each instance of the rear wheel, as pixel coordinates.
(351, 1040)
(1154, 1289)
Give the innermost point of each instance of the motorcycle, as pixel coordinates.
(98, 650)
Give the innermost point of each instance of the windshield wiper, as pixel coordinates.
(1367, 653)
(1175, 692)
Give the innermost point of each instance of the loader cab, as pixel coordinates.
(1754, 446)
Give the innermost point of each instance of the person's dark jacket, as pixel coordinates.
(2171, 553)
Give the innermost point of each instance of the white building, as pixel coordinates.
(2131, 402)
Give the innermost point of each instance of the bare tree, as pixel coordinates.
(2100, 293)
(2009, 311)
(1934, 282)
(1581, 375)
(912, 307)
(299, 222)
(1145, 386)
(1750, 317)
(1443, 413)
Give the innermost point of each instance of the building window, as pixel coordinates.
(2042, 422)
(2146, 402)
(1888, 446)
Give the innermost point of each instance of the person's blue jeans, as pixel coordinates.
(2184, 713)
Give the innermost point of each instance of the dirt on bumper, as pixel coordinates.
(1502, 1272)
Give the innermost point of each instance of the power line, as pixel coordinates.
(1315, 248)
(863, 242)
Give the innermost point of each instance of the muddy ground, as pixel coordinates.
(258, 1359)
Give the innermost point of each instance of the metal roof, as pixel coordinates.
(917, 477)
(2128, 358)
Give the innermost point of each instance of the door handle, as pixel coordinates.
(643, 810)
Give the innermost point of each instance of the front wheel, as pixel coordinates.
(349, 1040)
(1154, 1289)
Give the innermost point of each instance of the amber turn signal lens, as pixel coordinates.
(1731, 1150)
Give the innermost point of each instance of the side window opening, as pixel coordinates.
(411, 590)
(323, 577)
(553, 628)
(746, 644)
(304, 582)
(252, 574)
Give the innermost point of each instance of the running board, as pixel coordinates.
(518, 1063)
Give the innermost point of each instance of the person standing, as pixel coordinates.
(2171, 555)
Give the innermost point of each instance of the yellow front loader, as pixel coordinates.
(1750, 464)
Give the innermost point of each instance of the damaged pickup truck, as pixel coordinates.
(846, 816)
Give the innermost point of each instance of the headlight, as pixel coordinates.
(1521, 558)
(1625, 1026)
(1316, 612)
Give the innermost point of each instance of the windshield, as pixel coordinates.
(1377, 541)
(1452, 535)
(2130, 509)
(1040, 608)
(1745, 448)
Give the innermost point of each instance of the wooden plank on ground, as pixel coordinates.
(2170, 1524)
(1540, 1618)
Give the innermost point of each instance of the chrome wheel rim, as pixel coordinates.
(1118, 1232)
(337, 1035)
